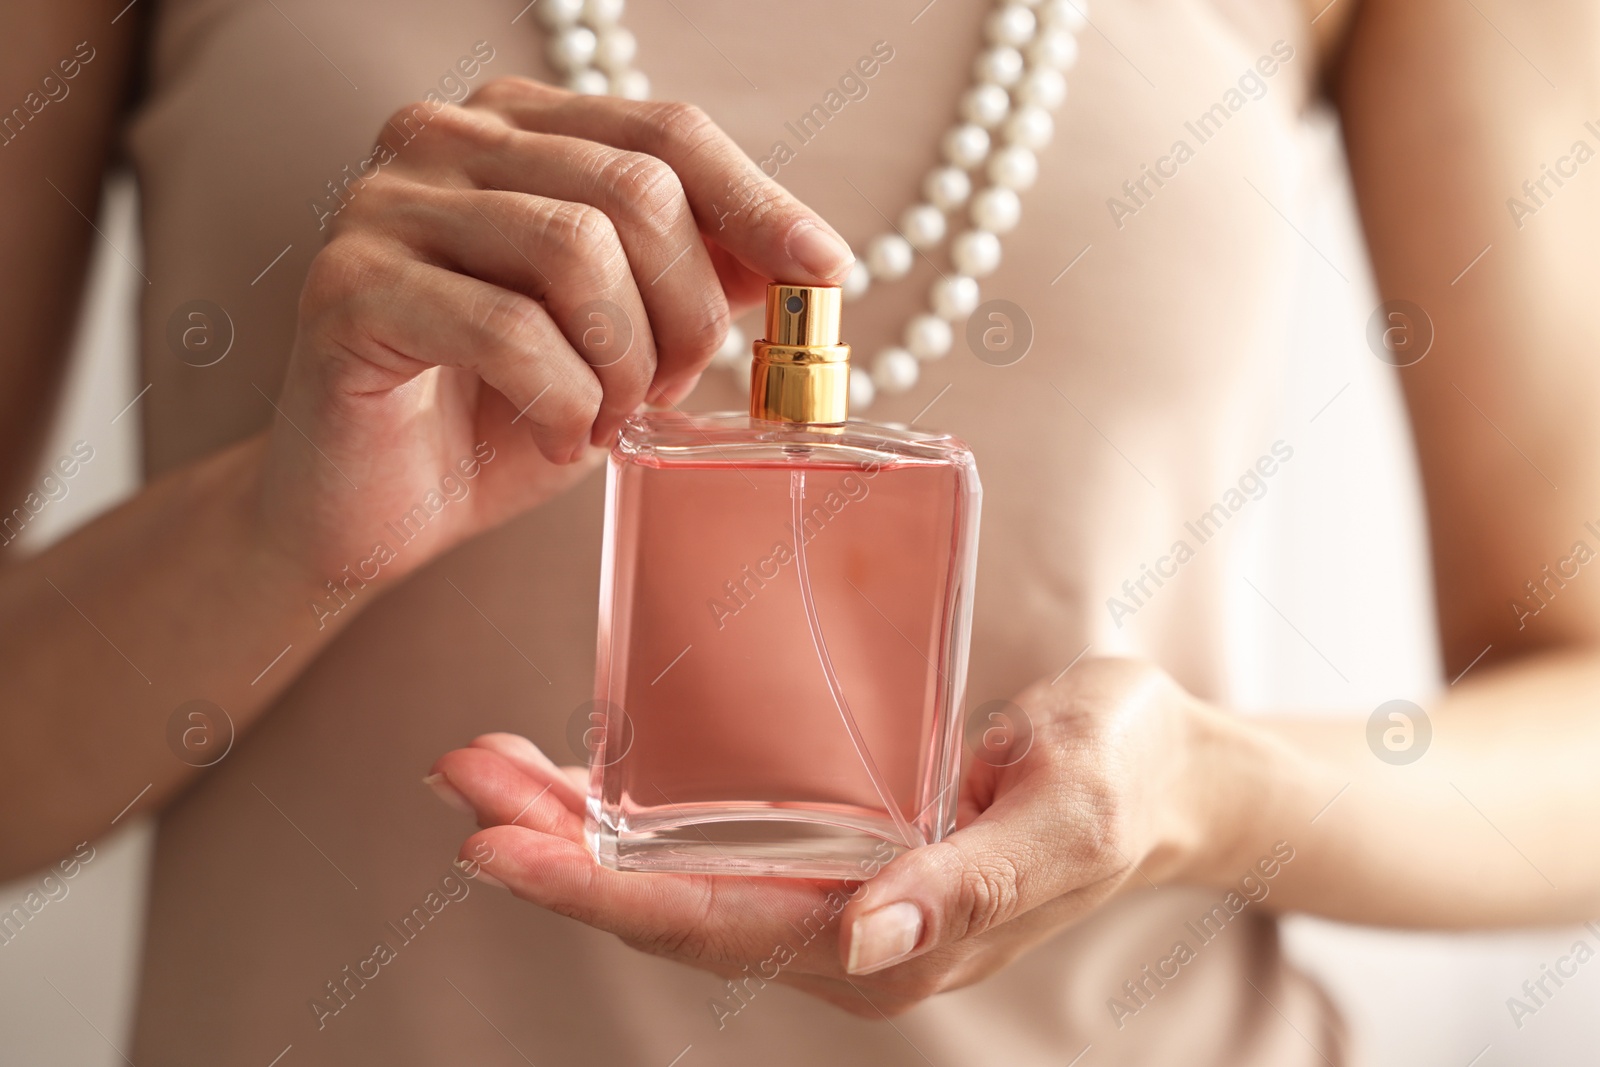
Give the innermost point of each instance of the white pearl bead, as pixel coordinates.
(733, 348)
(599, 12)
(985, 105)
(616, 50)
(954, 296)
(976, 253)
(1002, 65)
(996, 209)
(922, 225)
(1054, 48)
(947, 187)
(894, 371)
(862, 391)
(965, 146)
(557, 14)
(857, 281)
(1031, 127)
(631, 85)
(1012, 24)
(572, 48)
(1070, 15)
(590, 82)
(889, 256)
(1013, 167)
(928, 337)
(1043, 87)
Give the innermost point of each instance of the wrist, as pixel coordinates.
(1238, 782)
(283, 574)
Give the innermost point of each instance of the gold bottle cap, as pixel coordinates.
(802, 371)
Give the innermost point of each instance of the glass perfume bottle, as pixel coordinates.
(785, 611)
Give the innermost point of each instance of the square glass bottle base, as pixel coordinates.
(836, 842)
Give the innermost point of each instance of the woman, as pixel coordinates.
(476, 246)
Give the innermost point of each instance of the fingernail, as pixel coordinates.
(885, 936)
(448, 793)
(819, 251)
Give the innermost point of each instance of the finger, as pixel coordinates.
(1012, 858)
(644, 199)
(698, 918)
(531, 760)
(735, 204)
(743, 287)
(500, 793)
(567, 255)
(398, 316)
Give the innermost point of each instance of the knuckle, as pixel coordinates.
(506, 322)
(706, 329)
(576, 405)
(1103, 824)
(683, 124)
(988, 893)
(645, 187)
(764, 204)
(458, 123)
(376, 200)
(506, 90)
(420, 127)
(338, 275)
(583, 231)
(414, 116)
(671, 944)
(585, 241)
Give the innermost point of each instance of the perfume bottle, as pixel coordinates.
(785, 611)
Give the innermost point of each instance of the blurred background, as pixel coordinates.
(1351, 580)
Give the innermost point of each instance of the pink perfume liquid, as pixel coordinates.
(784, 621)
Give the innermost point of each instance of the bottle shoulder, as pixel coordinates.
(738, 440)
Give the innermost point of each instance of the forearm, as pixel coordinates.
(1494, 825)
(170, 598)
(64, 80)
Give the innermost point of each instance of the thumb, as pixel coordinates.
(1029, 847)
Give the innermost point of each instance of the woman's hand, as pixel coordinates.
(1116, 790)
(518, 276)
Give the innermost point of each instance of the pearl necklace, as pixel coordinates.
(1018, 81)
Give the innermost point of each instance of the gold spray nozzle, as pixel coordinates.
(802, 371)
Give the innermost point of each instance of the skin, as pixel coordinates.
(1158, 787)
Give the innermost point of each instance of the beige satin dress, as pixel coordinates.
(1148, 389)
